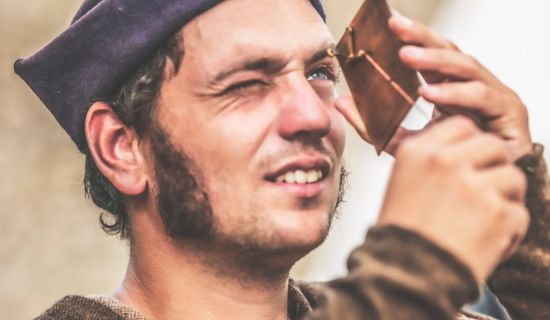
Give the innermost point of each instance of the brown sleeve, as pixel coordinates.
(398, 274)
(523, 282)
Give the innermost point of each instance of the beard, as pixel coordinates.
(183, 203)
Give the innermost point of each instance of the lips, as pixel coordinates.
(302, 171)
(300, 176)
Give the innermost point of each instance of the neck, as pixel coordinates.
(174, 280)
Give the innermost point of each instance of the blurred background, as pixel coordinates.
(50, 241)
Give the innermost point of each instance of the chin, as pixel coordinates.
(280, 238)
(298, 241)
(303, 230)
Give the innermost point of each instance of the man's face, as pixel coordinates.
(253, 107)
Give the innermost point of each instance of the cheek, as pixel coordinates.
(229, 146)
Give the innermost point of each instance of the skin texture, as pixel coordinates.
(286, 119)
(470, 186)
(243, 128)
(239, 130)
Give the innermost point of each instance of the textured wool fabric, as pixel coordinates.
(522, 283)
(77, 307)
(106, 41)
(396, 274)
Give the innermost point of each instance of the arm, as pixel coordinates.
(458, 85)
(523, 282)
(398, 274)
(451, 212)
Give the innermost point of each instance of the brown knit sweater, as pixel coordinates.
(523, 282)
(398, 274)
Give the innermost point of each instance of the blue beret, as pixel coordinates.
(106, 41)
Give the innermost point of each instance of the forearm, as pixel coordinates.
(523, 282)
(397, 274)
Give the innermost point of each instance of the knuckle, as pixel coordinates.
(524, 219)
(471, 64)
(440, 160)
(495, 140)
(412, 33)
(518, 219)
(501, 212)
(451, 45)
(464, 124)
(407, 148)
(483, 90)
(520, 179)
(470, 184)
(517, 103)
(492, 141)
(420, 30)
(515, 95)
(404, 148)
(516, 182)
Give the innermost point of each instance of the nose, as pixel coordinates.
(304, 113)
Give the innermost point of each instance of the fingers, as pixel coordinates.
(519, 220)
(473, 95)
(484, 151)
(509, 181)
(451, 130)
(348, 109)
(398, 137)
(448, 63)
(440, 58)
(414, 32)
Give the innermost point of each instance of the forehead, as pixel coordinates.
(242, 27)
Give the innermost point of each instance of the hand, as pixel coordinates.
(459, 187)
(459, 84)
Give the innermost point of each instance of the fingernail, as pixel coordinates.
(413, 51)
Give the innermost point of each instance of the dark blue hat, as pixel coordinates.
(105, 42)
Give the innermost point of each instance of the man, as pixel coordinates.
(213, 135)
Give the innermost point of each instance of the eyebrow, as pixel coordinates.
(269, 65)
(320, 55)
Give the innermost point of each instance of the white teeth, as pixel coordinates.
(290, 177)
(300, 177)
(312, 176)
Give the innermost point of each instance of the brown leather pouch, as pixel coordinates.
(383, 88)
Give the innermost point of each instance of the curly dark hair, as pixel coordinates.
(133, 103)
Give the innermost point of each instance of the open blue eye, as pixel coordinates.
(322, 73)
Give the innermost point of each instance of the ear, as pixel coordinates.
(115, 149)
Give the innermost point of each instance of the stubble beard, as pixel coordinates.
(186, 212)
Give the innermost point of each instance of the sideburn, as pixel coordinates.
(182, 203)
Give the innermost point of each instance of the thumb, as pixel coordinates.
(348, 109)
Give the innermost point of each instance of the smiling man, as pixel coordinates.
(213, 135)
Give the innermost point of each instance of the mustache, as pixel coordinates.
(297, 149)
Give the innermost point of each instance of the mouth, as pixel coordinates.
(305, 171)
(300, 176)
